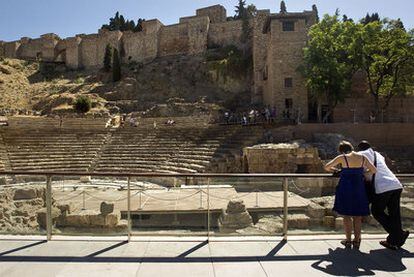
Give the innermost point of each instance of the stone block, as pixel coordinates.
(25, 193)
(65, 208)
(339, 223)
(271, 225)
(235, 206)
(329, 221)
(106, 208)
(315, 211)
(85, 179)
(299, 221)
(41, 216)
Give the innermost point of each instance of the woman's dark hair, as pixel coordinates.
(364, 145)
(345, 147)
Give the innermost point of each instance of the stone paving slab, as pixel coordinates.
(261, 256)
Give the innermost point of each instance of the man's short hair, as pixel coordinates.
(345, 147)
(364, 145)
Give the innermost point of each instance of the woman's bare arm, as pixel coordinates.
(330, 166)
(372, 169)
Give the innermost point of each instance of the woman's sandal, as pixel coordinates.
(388, 245)
(346, 243)
(356, 244)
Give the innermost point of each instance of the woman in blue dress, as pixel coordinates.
(351, 200)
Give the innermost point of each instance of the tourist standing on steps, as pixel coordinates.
(351, 200)
(386, 197)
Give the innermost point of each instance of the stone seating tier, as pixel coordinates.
(182, 148)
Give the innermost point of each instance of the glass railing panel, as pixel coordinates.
(407, 204)
(168, 206)
(84, 205)
(22, 205)
(315, 214)
(243, 206)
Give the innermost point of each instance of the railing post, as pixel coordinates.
(208, 209)
(83, 200)
(257, 198)
(140, 199)
(201, 197)
(129, 208)
(48, 207)
(285, 208)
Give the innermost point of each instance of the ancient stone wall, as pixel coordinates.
(198, 29)
(281, 158)
(358, 109)
(60, 51)
(1, 48)
(173, 40)
(225, 33)
(10, 49)
(380, 135)
(92, 47)
(40, 48)
(73, 52)
(216, 13)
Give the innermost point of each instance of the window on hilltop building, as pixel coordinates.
(288, 82)
(288, 26)
(288, 103)
(265, 73)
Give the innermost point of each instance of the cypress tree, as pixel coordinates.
(116, 67)
(283, 7)
(107, 58)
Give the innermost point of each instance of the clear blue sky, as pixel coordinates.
(20, 18)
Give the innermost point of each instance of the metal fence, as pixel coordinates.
(140, 193)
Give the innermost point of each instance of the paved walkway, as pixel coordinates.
(241, 257)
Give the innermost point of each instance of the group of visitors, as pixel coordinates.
(251, 117)
(366, 180)
(266, 115)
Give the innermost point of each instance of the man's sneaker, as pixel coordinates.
(406, 234)
(388, 245)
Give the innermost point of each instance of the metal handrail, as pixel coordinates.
(177, 175)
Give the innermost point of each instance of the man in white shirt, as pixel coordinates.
(387, 197)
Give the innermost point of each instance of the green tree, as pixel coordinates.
(83, 104)
(387, 58)
(374, 17)
(240, 10)
(107, 58)
(119, 23)
(116, 67)
(330, 61)
(283, 8)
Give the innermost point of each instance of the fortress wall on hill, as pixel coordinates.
(88, 51)
(216, 13)
(225, 33)
(73, 52)
(173, 40)
(1, 49)
(10, 49)
(198, 28)
(30, 48)
(92, 47)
